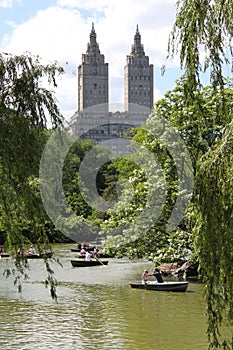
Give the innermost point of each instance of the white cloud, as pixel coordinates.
(9, 3)
(97, 5)
(61, 33)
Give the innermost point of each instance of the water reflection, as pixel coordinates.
(97, 309)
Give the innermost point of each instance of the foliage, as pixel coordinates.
(200, 133)
(137, 222)
(214, 233)
(25, 106)
(71, 178)
(104, 181)
(202, 35)
(200, 121)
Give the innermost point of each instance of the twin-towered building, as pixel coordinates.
(93, 120)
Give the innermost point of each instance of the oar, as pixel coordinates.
(99, 260)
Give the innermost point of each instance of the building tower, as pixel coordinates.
(93, 77)
(138, 77)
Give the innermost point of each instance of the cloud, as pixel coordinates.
(9, 3)
(61, 33)
(97, 5)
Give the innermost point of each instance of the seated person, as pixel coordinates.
(82, 252)
(20, 251)
(88, 256)
(32, 250)
(157, 274)
(96, 252)
(144, 277)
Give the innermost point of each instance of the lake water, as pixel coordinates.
(97, 309)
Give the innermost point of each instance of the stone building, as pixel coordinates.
(92, 77)
(138, 78)
(93, 120)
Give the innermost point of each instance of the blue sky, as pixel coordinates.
(58, 30)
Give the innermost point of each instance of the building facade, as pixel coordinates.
(93, 120)
(92, 77)
(138, 77)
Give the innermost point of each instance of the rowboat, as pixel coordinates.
(165, 286)
(84, 263)
(76, 250)
(100, 255)
(39, 256)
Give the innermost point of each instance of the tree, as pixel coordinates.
(71, 177)
(206, 28)
(200, 122)
(25, 106)
(149, 181)
(202, 28)
(214, 234)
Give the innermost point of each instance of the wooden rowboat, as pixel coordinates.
(100, 255)
(165, 286)
(39, 256)
(79, 250)
(84, 263)
(3, 255)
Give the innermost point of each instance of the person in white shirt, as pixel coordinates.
(82, 252)
(32, 250)
(88, 256)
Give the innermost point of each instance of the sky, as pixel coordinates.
(58, 30)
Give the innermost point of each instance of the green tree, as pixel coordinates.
(202, 36)
(26, 106)
(205, 28)
(200, 133)
(71, 178)
(200, 122)
(214, 235)
(135, 224)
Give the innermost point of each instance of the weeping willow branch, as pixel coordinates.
(214, 235)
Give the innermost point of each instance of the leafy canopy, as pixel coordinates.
(25, 108)
(202, 36)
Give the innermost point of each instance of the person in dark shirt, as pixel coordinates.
(157, 274)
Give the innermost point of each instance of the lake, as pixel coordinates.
(97, 309)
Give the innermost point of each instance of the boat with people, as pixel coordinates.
(166, 286)
(100, 255)
(84, 263)
(77, 250)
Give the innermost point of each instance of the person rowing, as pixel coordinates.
(157, 274)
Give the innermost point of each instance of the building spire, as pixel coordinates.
(137, 47)
(92, 46)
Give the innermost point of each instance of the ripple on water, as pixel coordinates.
(96, 309)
